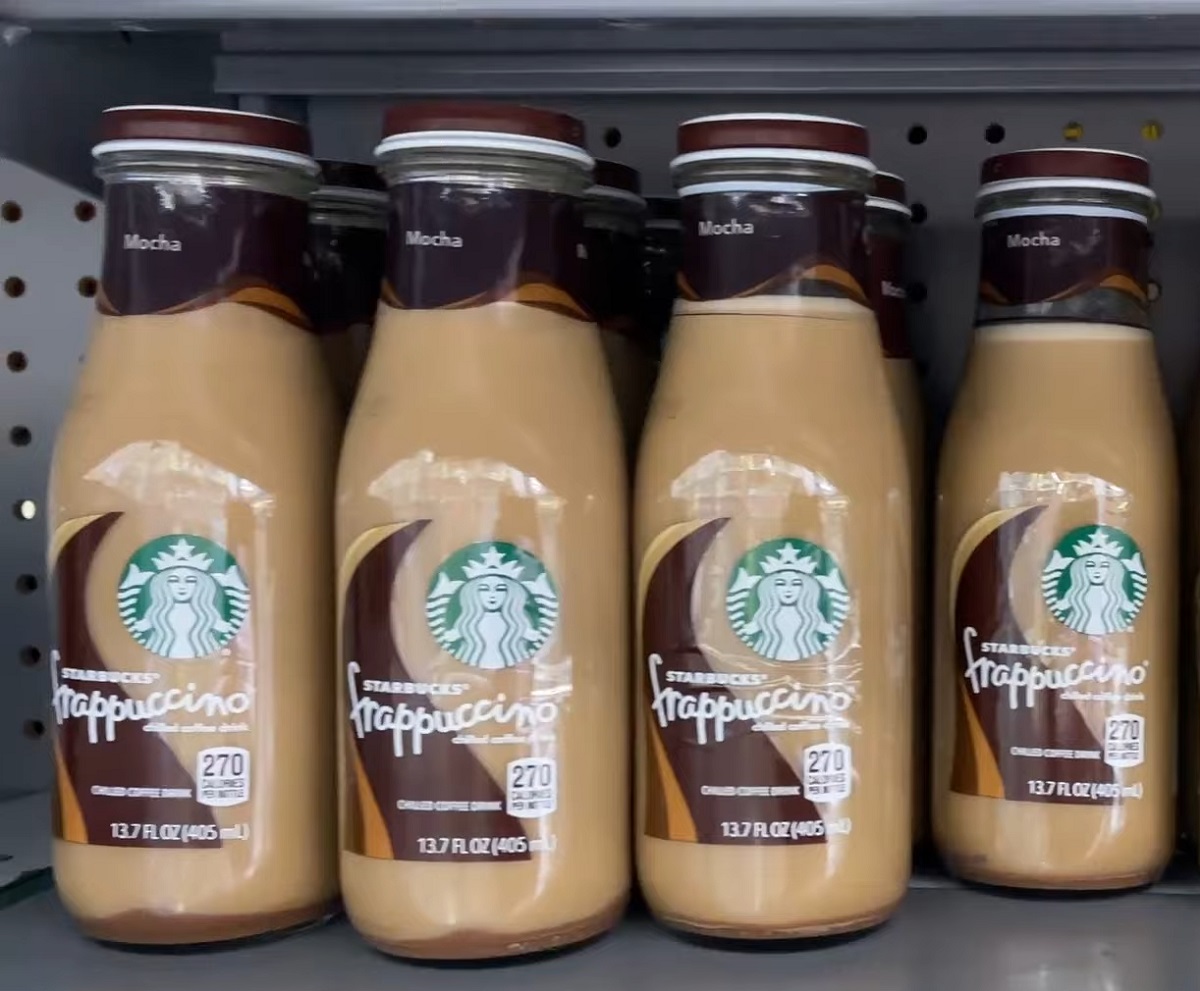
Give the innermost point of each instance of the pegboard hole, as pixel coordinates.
(86, 287)
(1152, 130)
(26, 584)
(30, 656)
(20, 436)
(919, 213)
(34, 729)
(612, 137)
(917, 135)
(24, 509)
(17, 362)
(1153, 291)
(993, 134)
(85, 210)
(917, 293)
(14, 286)
(1072, 131)
(11, 211)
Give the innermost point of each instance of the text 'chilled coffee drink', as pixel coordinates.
(772, 533)
(481, 535)
(1057, 542)
(190, 496)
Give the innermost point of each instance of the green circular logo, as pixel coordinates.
(491, 605)
(182, 597)
(1095, 581)
(787, 599)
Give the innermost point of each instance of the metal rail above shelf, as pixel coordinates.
(241, 10)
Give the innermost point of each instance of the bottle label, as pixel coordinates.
(452, 721)
(1052, 690)
(750, 687)
(452, 247)
(1090, 266)
(173, 247)
(153, 743)
(738, 244)
(889, 297)
(346, 273)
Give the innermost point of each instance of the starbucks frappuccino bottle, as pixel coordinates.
(1057, 543)
(888, 217)
(481, 534)
(614, 213)
(347, 236)
(772, 527)
(190, 501)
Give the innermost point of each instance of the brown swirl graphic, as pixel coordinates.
(991, 294)
(679, 767)
(446, 779)
(531, 290)
(801, 279)
(988, 727)
(1068, 266)
(245, 291)
(90, 800)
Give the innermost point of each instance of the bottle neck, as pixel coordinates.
(1054, 262)
(747, 239)
(460, 245)
(177, 242)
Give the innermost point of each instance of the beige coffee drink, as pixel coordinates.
(1057, 545)
(481, 534)
(888, 217)
(772, 530)
(613, 218)
(347, 238)
(190, 545)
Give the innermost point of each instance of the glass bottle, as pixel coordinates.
(1057, 544)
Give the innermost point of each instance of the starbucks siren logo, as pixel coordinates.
(787, 599)
(182, 597)
(1095, 581)
(491, 605)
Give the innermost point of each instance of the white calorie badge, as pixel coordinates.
(223, 776)
(531, 787)
(828, 772)
(1124, 740)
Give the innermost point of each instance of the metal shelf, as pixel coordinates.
(943, 940)
(24, 842)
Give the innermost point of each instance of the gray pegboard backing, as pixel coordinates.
(937, 143)
(50, 237)
(56, 85)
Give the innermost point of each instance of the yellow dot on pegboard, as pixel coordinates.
(1072, 131)
(1152, 130)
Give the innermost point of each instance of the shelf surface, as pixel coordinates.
(24, 838)
(237, 10)
(941, 940)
